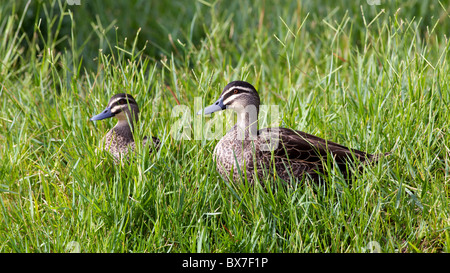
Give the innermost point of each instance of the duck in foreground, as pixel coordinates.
(119, 140)
(244, 151)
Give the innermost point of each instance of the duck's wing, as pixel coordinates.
(154, 143)
(309, 152)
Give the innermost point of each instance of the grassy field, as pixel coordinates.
(372, 77)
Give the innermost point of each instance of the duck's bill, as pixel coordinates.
(105, 114)
(217, 106)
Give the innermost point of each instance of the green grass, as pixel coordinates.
(373, 78)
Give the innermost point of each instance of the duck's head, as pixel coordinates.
(121, 106)
(236, 95)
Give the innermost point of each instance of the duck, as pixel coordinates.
(248, 153)
(119, 140)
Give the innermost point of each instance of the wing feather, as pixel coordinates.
(307, 152)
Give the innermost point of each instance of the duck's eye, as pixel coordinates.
(122, 102)
(235, 91)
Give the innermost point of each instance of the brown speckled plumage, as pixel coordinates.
(119, 140)
(296, 156)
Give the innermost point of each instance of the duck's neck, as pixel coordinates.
(124, 129)
(247, 123)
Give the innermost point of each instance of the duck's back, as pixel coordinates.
(293, 154)
(120, 142)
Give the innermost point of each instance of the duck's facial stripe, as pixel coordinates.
(118, 104)
(116, 109)
(231, 94)
(121, 101)
(230, 99)
(238, 89)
